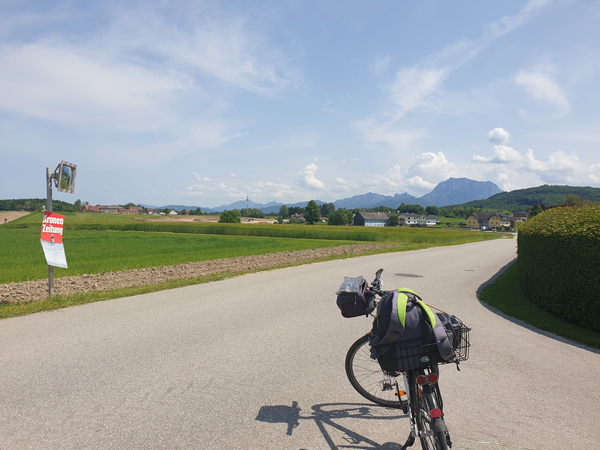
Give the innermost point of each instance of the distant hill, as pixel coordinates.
(371, 200)
(451, 191)
(460, 190)
(522, 199)
(454, 192)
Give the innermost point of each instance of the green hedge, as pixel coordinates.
(559, 263)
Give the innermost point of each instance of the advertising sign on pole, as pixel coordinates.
(52, 239)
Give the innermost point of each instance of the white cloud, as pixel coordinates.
(532, 164)
(234, 50)
(499, 136)
(388, 182)
(270, 189)
(414, 87)
(556, 162)
(380, 65)
(419, 184)
(199, 177)
(307, 179)
(434, 166)
(502, 154)
(388, 133)
(509, 23)
(201, 137)
(560, 167)
(421, 85)
(138, 81)
(342, 185)
(508, 165)
(539, 85)
(55, 82)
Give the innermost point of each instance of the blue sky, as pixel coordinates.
(206, 103)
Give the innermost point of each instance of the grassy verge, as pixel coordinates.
(506, 295)
(64, 301)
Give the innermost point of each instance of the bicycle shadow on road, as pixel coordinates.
(325, 416)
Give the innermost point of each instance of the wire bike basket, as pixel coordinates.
(461, 334)
(423, 352)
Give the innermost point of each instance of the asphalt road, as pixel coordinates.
(257, 362)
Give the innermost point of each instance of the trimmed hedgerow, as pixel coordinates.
(559, 263)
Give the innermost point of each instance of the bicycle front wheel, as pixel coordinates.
(368, 379)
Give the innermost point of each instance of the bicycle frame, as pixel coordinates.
(423, 402)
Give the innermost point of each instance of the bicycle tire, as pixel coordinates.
(432, 432)
(368, 379)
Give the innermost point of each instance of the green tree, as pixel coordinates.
(432, 210)
(393, 221)
(327, 209)
(252, 212)
(537, 209)
(229, 217)
(384, 209)
(572, 200)
(414, 209)
(339, 217)
(284, 212)
(312, 213)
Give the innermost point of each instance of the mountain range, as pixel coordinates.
(450, 192)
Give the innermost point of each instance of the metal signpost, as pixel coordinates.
(63, 178)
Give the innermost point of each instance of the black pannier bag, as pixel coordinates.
(458, 334)
(352, 298)
(402, 345)
(407, 334)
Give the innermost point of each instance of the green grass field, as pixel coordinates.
(22, 258)
(96, 243)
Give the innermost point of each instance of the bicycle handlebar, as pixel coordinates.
(376, 284)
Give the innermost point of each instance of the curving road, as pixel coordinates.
(256, 362)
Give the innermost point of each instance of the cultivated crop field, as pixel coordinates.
(98, 243)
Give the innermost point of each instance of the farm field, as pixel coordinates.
(98, 243)
(90, 252)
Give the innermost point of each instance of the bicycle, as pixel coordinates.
(418, 393)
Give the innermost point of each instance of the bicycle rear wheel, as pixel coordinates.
(368, 379)
(432, 430)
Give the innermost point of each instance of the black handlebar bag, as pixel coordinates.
(353, 299)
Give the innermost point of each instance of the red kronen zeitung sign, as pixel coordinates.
(52, 227)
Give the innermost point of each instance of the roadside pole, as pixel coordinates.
(53, 224)
(49, 177)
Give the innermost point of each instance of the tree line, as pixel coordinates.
(38, 204)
